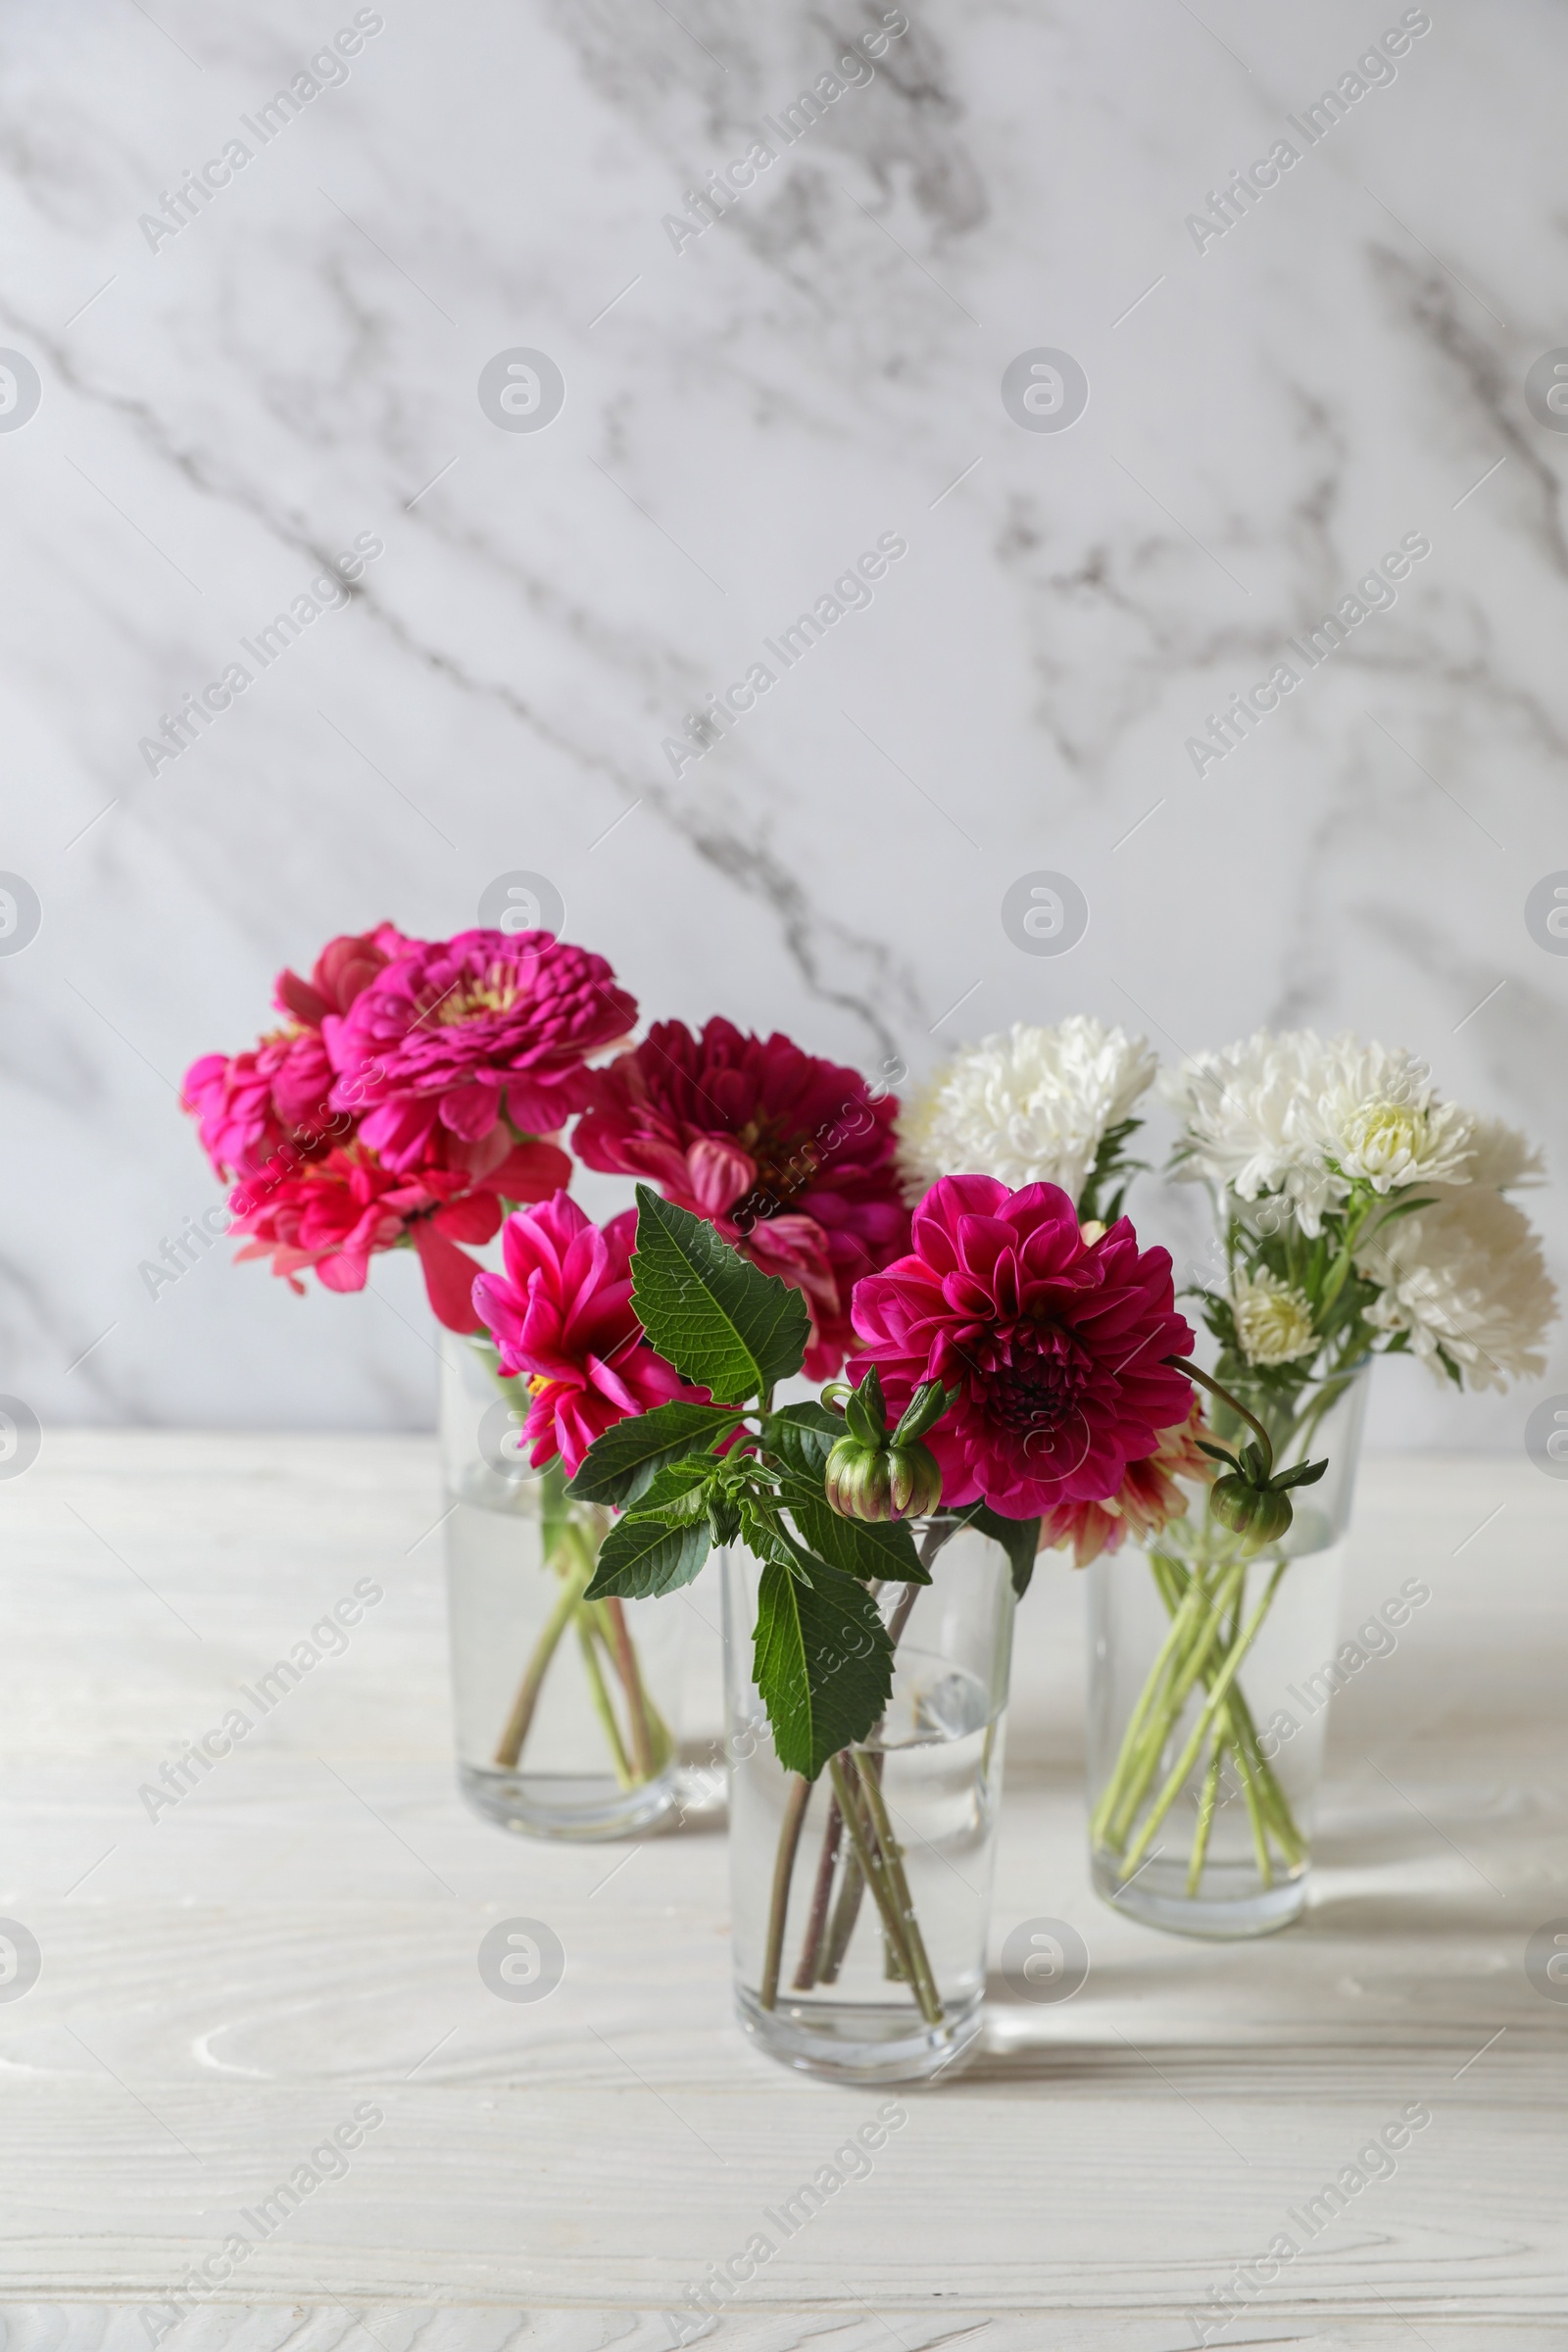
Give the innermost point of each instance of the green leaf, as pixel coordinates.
(763, 1534)
(724, 1326)
(723, 1521)
(680, 1492)
(803, 1435)
(866, 1410)
(620, 1465)
(640, 1558)
(822, 1663)
(862, 1548)
(1305, 1474)
(1019, 1540)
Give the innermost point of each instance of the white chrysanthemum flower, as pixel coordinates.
(1377, 1117)
(1246, 1112)
(1273, 1319)
(1027, 1106)
(1503, 1157)
(1466, 1274)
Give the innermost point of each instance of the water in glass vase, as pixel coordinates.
(566, 1710)
(1212, 1665)
(864, 1959)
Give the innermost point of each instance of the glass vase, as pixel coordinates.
(566, 1710)
(1210, 1670)
(861, 1901)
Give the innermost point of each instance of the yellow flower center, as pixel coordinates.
(1384, 1135)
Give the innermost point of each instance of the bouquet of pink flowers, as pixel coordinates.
(413, 1091)
(416, 1091)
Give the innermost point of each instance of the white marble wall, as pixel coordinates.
(299, 365)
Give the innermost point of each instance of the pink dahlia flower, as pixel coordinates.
(785, 1154)
(1147, 1499)
(561, 1316)
(1055, 1344)
(450, 1034)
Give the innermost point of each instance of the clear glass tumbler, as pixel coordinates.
(862, 1903)
(567, 1711)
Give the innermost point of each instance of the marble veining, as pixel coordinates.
(225, 406)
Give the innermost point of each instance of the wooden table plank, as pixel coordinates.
(296, 1938)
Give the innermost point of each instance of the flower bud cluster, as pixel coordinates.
(875, 1474)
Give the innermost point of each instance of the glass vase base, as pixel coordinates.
(585, 1806)
(861, 2041)
(1158, 1896)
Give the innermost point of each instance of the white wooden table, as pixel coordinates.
(222, 1985)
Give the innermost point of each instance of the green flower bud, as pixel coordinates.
(917, 1480)
(858, 1478)
(1262, 1512)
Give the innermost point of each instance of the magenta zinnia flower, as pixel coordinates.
(561, 1316)
(267, 1108)
(1055, 1344)
(452, 1034)
(333, 1213)
(785, 1154)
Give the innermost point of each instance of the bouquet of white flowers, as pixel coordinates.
(1360, 1214)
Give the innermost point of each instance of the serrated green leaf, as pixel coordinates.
(724, 1325)
(642, 1557)
(1019, 1540)
(680, 1492)
(803, 1435)
(866, 1549)
(723, 1521)
(763, 1534)
(621, 1463)
(822, 1663)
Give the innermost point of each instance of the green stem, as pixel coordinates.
(873, 1868)
(800, 1796)
(1147, 1761)
(632, 1682)
(1136, 1721)
(846, 1911)
(1259, 1783)
(925, 1984)
(1201, 1730)
(1254, 1814)
(510, 1746)
(1193, 1371)
(811, 1961)
(1206, 1818)
(586, 1631)
(824, 1966)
